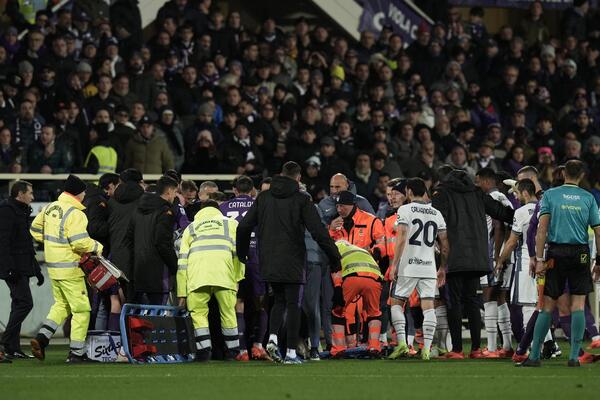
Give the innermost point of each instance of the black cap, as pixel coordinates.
(74, 185)
(400, 187)
(131, 175)
(145, 120)
(346, 198)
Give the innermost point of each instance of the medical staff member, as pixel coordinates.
(62, 227)
(208, 266)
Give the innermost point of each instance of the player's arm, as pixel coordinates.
(498, 237)
(402, 230)
(444, 252)
(540, 242)
(509, 247)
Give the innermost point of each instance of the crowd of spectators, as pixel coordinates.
(206, 94)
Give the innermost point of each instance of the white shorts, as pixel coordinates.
(404, 286)
(524, 288)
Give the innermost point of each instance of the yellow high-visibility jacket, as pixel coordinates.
(207, 256)
(62, 227)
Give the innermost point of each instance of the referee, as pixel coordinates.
(565, 214)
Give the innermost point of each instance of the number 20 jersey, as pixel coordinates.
(423, 223)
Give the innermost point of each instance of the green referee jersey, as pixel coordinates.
(572, 210)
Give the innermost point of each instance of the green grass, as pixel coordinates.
(336, 379)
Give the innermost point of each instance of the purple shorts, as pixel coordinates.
(252, 285)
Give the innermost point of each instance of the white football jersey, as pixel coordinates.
(501, 197)
(423, 222)
(520, 226)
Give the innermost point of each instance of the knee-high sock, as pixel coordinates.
(548, 337)
(505, 326)
(565, 325)
(491, 324)
(410, 326)
(241, 323)
(527, 337)
(577, 331)
(590, 323)
(260, 326)
(441, 331)
(539, 333)
(429, 324)
(517, 322)
(114, 321)
(399, 322)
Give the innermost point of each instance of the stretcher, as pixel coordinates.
(157, 334)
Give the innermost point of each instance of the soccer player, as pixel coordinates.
(565, 214)
(419, 224)
(252, 289)
(495, 292)
(524, 291)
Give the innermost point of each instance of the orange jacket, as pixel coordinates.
(390, 235)
(390, 240)
(367, 232)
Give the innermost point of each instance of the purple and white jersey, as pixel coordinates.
(237, 208)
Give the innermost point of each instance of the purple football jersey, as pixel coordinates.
(236, 208)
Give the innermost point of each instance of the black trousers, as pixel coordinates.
(462, 295)
(21, 305)
(287, 302)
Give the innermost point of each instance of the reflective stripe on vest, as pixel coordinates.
(72, 264)
(196, 245)
(356, 261)
(107, 159)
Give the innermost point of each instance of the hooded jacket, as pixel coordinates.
(120, 211)
(151, 237)
(464, 207)
(281, 216)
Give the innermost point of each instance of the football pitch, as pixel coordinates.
(326, 379)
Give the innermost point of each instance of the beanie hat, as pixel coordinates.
(346, 198)
(74, 185)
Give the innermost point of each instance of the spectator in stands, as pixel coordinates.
(147, 152)
(11, 157)
(47, 155)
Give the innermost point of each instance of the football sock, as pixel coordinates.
(113, 321)
(383, 338)
(590, 323)
(273, 338)
(516, 321)
(441, 331)
(291, 353)
(241, 323)
(429, 324)
(548, 336)
(539, 333)
(491, 324)
(505, 326)
(577, 330)
(527, 337)
(262, 326)
(399, 322)
(565, 324)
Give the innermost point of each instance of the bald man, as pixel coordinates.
(338, 183)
